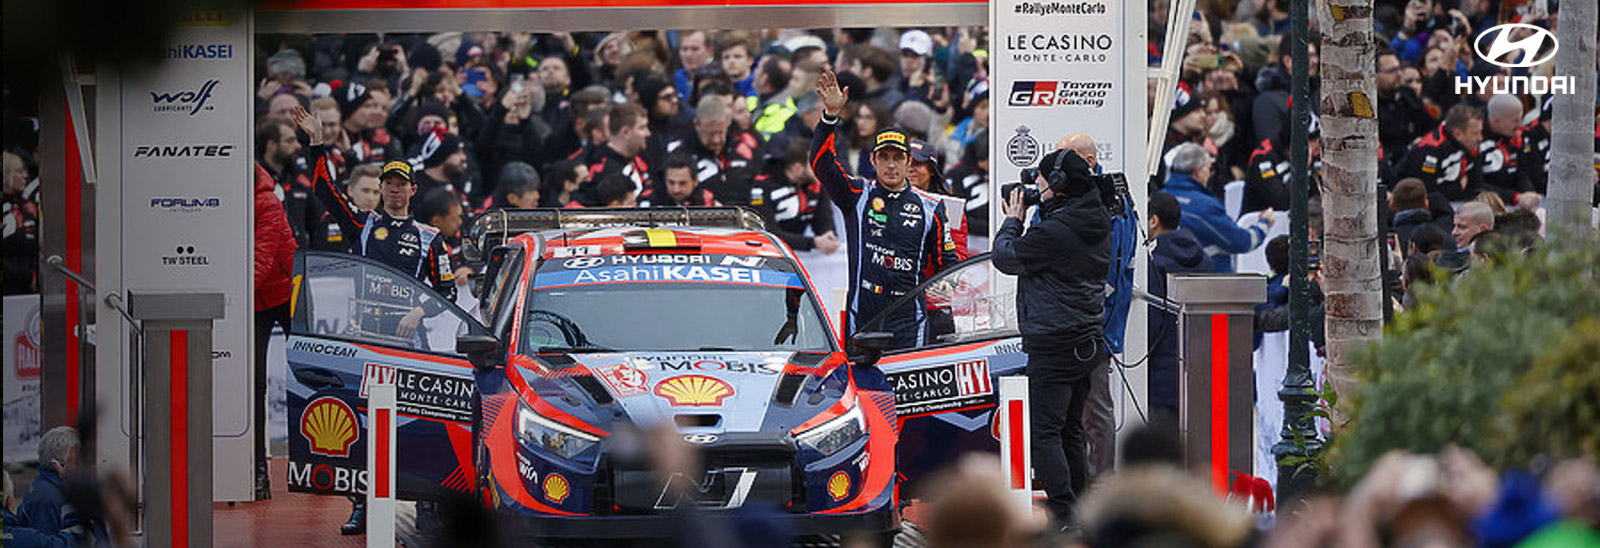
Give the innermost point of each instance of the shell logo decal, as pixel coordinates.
(839, 485)
(330, 426)
(556, 488)
(694, 391)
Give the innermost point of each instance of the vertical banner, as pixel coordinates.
(185, 197)
(22, 357)
(1068, 67)
(1072, 66)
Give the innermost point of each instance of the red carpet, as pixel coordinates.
(289, 519)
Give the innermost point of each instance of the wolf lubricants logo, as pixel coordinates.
(190, 101)
(1516, 46)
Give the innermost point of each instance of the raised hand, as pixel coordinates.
(306, 121)
(833, 98)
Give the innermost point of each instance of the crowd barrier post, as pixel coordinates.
(1015, 444)
(1217, 377)
(177, 353)
(381, 419)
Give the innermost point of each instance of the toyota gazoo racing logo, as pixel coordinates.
(1526, 40)
(1063, 93)
(1516, 46)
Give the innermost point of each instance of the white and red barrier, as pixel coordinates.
(1016, 456)
(381, 465)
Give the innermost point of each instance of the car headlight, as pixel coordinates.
(551, 436)
(836, 434)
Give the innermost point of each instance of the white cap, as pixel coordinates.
(917, 41)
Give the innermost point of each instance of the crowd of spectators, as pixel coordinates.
(1460, 146)
(643, 118)
(1462, 172)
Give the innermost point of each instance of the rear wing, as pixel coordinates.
(496, 226)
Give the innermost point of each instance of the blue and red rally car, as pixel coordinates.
(596, 324)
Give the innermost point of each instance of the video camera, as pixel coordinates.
(1113, 187)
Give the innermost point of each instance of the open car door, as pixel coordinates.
(354, 322)
(946, 387)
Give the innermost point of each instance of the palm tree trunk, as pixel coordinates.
(1351, 278)
(1571, 189)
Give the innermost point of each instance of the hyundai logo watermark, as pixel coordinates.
(1516, 46)
(1528, 46)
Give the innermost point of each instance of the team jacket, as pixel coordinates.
(606, 160)
(896, 240)
(726, 174)
(789, 209)
(1267, 176)
(1499, 158)
(1536, 155)
(970, 184)
(400, 242)
(658, 197)
(1442, 164)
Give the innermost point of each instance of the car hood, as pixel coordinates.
(714, 391)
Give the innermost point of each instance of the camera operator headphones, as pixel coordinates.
(1057, 176)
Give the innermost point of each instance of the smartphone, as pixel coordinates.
(1393, 241)
(474, 76)
(1209, 61)
(517, 82)
(1314, 254)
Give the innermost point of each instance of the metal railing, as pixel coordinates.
(114, 301)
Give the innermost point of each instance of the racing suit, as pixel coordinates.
(896, 240)
(400, 242)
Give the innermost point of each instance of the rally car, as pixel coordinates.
(598, 325)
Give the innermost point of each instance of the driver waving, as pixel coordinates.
(389, 236)
(897, 236)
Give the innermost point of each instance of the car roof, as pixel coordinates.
(605, 241)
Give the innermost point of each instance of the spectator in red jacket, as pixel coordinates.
(275, 247)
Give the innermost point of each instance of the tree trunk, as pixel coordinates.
(1351, 278)
(1572, 137)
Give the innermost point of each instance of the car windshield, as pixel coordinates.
(665, 302)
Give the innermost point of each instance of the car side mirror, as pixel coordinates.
(479, 349)
(870, 345)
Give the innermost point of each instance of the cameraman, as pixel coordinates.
(1060, 265)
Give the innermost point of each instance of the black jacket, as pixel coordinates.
(1406, 222)
(1061, 265)
(1402, 118)
(1176, 252)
